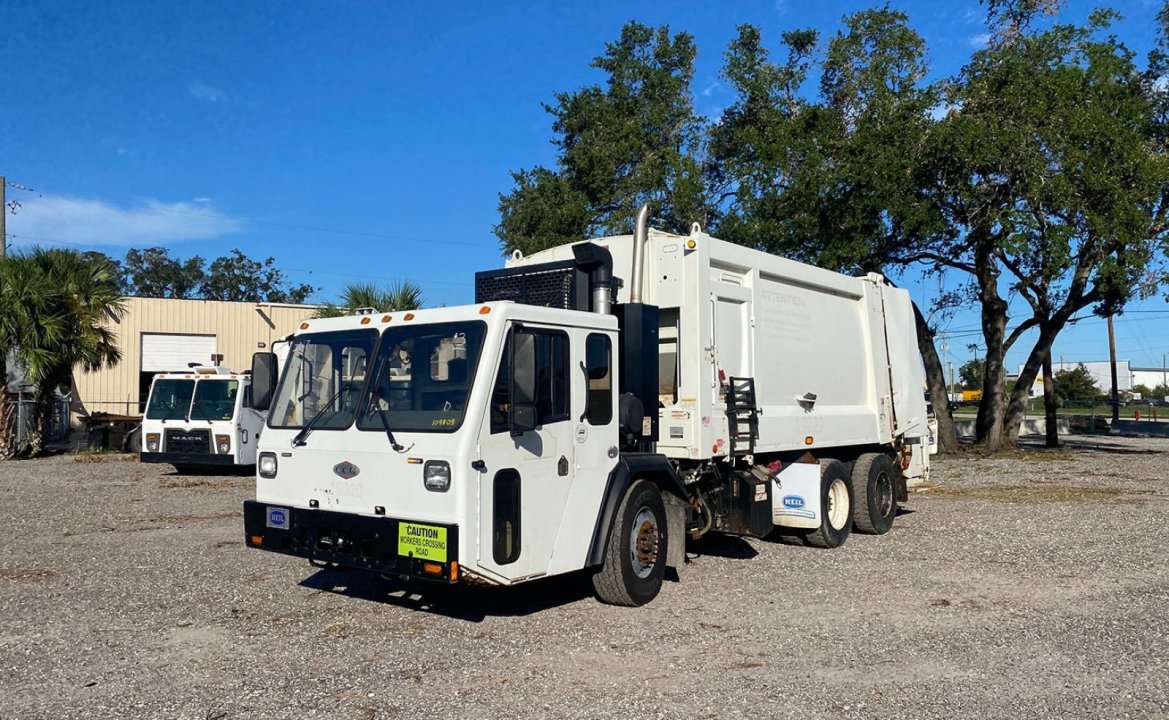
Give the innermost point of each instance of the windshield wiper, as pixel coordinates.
(375, 397)
(300, 436)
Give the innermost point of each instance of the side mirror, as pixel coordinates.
(521, 415)
(521, 418)
(263, 380)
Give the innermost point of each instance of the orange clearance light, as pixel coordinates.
(387, 318)
(431, 568)
(714, 448)
(409, 316)
(257, 539)
(304, 326)
(484, 310)
(365, 320)
(808, 440)
(690, 244)
(454, 570)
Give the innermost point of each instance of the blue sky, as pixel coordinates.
(364, 140)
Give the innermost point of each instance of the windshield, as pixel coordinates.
(170, 399)
(324, 374)
(422, 377)
(214, 400)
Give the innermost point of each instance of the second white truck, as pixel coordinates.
(202, 418)
(597, 405)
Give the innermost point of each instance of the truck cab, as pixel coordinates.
(200, 419)
(406, 442)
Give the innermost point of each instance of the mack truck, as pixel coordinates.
(597, 405)
(201, 418)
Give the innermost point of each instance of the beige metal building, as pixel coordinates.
(162, 334)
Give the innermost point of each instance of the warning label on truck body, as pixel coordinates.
(425, 542)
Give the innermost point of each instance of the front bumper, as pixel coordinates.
(175, 458)
(427, 551)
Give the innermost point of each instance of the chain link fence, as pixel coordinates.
(59, 427)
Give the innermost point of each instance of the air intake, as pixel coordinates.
(556, 284)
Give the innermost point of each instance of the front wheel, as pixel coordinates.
(835, 506)
(635, 559)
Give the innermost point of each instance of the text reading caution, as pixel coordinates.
(424, 542)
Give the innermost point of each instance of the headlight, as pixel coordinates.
(267, 465)
(224, 443)
(151, 442)
(436, 475)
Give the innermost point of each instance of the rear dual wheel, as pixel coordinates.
(835, 506)
(874, 484)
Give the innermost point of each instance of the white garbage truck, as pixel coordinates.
(199, 419)
(596, 406)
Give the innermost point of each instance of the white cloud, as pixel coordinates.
(204, 92)
(978, 41)
(75, 221)
(972, 15)
(711, 88)
(781, 7)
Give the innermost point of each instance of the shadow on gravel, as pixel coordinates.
(462, 602)
(723, 546)
(1093, 443)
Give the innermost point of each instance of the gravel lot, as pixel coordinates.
(1029, 586)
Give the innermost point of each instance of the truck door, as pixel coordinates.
(526, 480)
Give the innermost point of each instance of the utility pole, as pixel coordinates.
(3, 216)
(1112, 360)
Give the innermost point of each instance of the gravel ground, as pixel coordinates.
(1029, 586)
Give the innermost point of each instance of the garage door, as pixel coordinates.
(162, 352)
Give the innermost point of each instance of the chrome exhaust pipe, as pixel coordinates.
(640, 238)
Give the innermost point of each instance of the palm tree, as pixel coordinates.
(64, 303)
(401, 295)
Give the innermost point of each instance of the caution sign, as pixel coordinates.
(424, 542)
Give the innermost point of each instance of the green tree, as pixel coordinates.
(1075, 385)
(401, 295)
(66, 303)
(971, 374)
(236, 277)
(1047, 174)
(835, 180)
(152, 272)
(633, 141)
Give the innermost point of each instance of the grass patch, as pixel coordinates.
(1040, 493)
(26, 575)
(96, 457)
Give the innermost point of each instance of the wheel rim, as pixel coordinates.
(884, 488)
(838, 509)
(643, 542)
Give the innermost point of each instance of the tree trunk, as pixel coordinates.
(936, 382)
(992, 408)
(39, 429)
(1021, 394)
(8, 412)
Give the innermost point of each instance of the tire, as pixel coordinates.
(835, 506)
(875, 489)
(635, 556)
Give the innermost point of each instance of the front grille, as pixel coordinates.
(188, 441)
(557, 285)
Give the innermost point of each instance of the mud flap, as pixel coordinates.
(675, 530)
(795, 496)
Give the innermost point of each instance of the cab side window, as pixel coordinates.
(599, 362)
(552, 380)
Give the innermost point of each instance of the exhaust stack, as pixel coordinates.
(640, 238)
